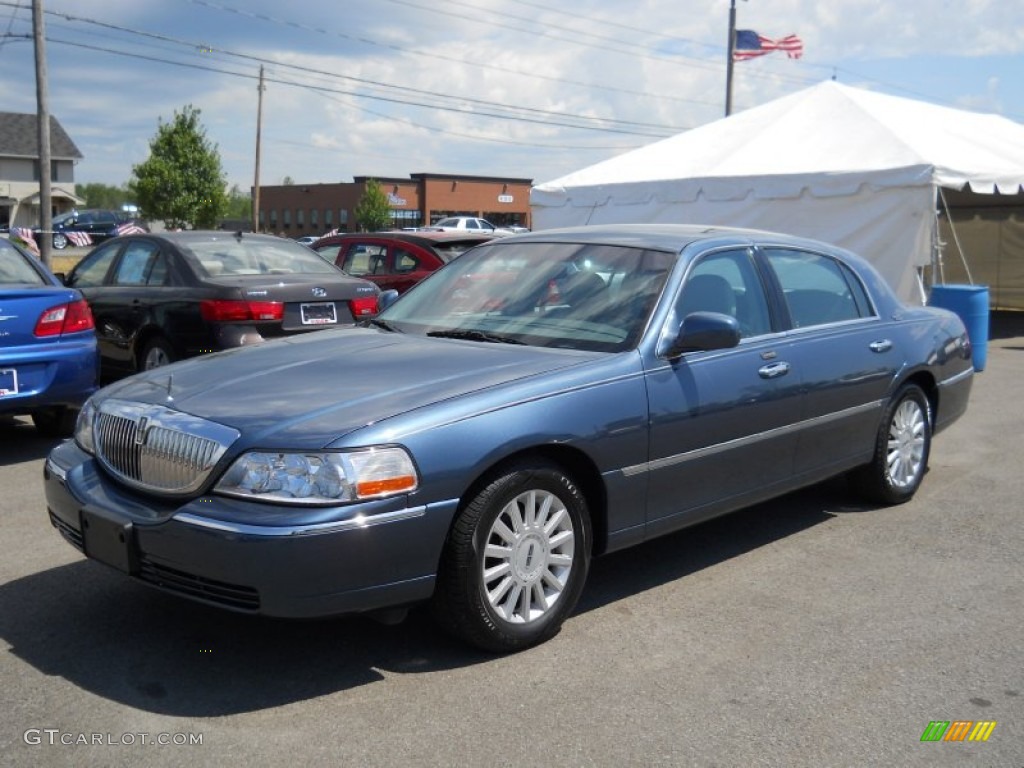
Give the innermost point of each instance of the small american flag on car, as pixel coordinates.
(128, 228)
(78, 238)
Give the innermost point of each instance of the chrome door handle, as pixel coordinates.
(773, 370)
(880, 346)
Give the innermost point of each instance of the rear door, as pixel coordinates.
(846, 357)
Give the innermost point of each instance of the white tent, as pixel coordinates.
(852, 167)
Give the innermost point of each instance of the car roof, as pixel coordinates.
(403, 237)
(666, 237)
(206, 235)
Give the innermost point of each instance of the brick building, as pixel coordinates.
(419, 200)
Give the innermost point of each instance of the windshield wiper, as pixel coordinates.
(383, 324)
(473, 335)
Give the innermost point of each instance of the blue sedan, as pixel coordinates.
(48, 359)
(542, 399)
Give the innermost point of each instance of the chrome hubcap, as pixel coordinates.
(528, 556)
(905, 456)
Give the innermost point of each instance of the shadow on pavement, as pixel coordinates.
(126, 642)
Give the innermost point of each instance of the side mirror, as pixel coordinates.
(704, 331)
(386, 299)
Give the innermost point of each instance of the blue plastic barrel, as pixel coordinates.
(970, 302)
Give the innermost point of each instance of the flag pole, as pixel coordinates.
(730, 49)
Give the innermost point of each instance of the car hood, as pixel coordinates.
(312, 389)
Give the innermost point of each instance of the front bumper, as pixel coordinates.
(374, 555)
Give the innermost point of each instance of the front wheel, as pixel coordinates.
(901, 449)
(516, 559)
(155, 354)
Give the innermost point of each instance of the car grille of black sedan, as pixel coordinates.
(154, 448)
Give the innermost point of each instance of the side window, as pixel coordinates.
(405, 261)
(727, 282)
(136, 264)
(357, 260)
(818, 289)
(93, 268)
(329, 252)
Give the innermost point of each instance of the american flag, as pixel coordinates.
(128, 228)
(78, 238)
(24, 236)
(750, 45)
(328, 234)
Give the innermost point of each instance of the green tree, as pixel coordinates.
(239, 205)
(103, 195)
(373, 212)
(181, 181)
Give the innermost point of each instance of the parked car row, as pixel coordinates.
(541, 399)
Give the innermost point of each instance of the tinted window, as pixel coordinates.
(818, 288)
(727, 283)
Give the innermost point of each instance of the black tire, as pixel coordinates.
(60, 242)
(901, 450)
(55, 421)
(156, 353)
(516, 559)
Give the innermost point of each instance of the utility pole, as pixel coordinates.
(43, 132)
(730, 49)
(256, 181)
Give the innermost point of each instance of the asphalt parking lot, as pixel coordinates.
(809, 631)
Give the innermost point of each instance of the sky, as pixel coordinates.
(512, 88)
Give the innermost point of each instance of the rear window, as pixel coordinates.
(241, 256)
(15, 268)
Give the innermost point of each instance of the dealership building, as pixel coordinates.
(420, 200)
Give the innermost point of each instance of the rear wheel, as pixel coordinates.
(60, 242)
(55, 421)
(901, 450)
(516, 559)
(155, 354)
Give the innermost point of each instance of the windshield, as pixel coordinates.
(566, 295)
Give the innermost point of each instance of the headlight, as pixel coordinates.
(83, 427)
(322, 477)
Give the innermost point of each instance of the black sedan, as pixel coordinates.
(161, 298)
(541, 399)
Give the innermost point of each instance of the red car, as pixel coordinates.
(396, 260)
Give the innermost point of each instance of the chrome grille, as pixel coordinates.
(154, 448)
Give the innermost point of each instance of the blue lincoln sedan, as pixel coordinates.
(543, 399)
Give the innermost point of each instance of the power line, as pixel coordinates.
(450, 59)
(356, 94)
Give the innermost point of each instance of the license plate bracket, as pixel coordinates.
(319, 313)
(8, 381)
(109, 540)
